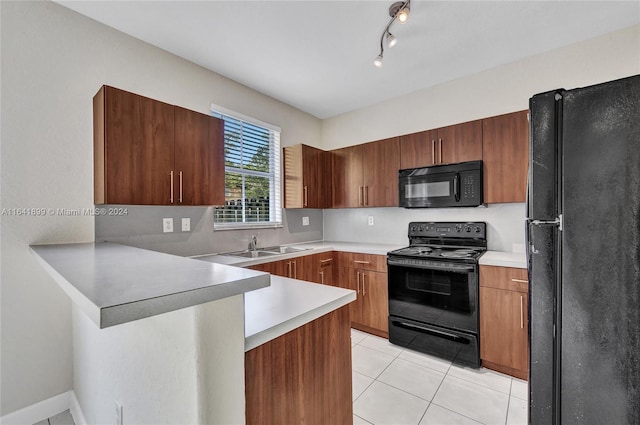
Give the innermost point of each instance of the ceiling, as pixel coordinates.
(318, 55)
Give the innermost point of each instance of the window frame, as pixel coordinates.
(274, 174)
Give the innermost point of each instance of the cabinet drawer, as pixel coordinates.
(509, 278)
(373, 262)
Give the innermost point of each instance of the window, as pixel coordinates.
(252, 173)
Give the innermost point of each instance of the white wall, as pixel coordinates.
(493, 92)
(182, 367)
(496, 91)
(53, 62)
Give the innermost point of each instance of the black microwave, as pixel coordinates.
(441, 186)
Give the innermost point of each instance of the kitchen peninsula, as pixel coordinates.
(185, 361)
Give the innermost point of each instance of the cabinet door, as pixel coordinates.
(347, 177)
(381, 161)
(350, 279)
(418, 149)
(505, 155)
(503, 329)
(310, 177)
(293, 181)
(375, 296)
(460, 142)
(199, 159)
(326, 269)
(134, 148)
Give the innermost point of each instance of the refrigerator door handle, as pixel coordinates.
(557, 222)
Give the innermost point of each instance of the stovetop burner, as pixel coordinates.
(453, 241)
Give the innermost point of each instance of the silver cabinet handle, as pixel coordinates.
(364, 291)
(361, 262)
(366, 195)
(295, 270)
(328, 260)
(358, 285)
(519, 280)
(289, 269)
(322, 277)
(521, 313)
(306, 197)
(440, 140)
(360, 195)
(180, 193)
(433, 152)
(171, 190)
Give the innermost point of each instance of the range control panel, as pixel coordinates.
(469, 229)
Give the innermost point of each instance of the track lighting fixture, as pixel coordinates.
(399, 11)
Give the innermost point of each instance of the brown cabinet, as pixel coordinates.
(366, 175)
(504, 339)
(306, 177)
(445, 145)
(317, 268)
(303, 376)
(367, 275)
(505, 155)
(148, 152)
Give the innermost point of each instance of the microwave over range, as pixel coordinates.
(441, 186)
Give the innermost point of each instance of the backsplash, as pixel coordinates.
(141, 227)
(505, 224)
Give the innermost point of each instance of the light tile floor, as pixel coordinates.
(393, 385)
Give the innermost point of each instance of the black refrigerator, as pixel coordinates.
(583, 244)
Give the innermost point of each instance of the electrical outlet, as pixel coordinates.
(167, 225)
(305, 221)
(186, 224)
(118, 413)
(370, 220)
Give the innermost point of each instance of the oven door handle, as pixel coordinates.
(460, 268)
(431, 331)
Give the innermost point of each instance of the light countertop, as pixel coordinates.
(309, 248)
(286, 305)
(504, 259)
(116, 284)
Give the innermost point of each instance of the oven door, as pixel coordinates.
(434, 292)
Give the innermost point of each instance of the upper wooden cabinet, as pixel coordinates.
(445, 145)
(366, 175)
(306, 177)
(148, 152)
(505, 156)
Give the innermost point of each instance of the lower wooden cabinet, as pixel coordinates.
(359, 272)
(317, 268)
(504, 338)
(303, 376)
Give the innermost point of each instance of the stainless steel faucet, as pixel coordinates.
(253, 243)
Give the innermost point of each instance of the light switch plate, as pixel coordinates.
(167, 225)
(305, 221)
(186, 224)
(370, 220)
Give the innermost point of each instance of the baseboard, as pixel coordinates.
(45, 409)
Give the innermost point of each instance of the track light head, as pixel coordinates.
(400, 11)
(391, 40)
(378, 61)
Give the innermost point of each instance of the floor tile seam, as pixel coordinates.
(384, 352)
(423, 365)
(363, 419)
(506, 416)
(366, 388)
(482, 385)
(457, 413)
(405, 391)
(426, 410)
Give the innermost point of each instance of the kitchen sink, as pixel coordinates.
(265, 252)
